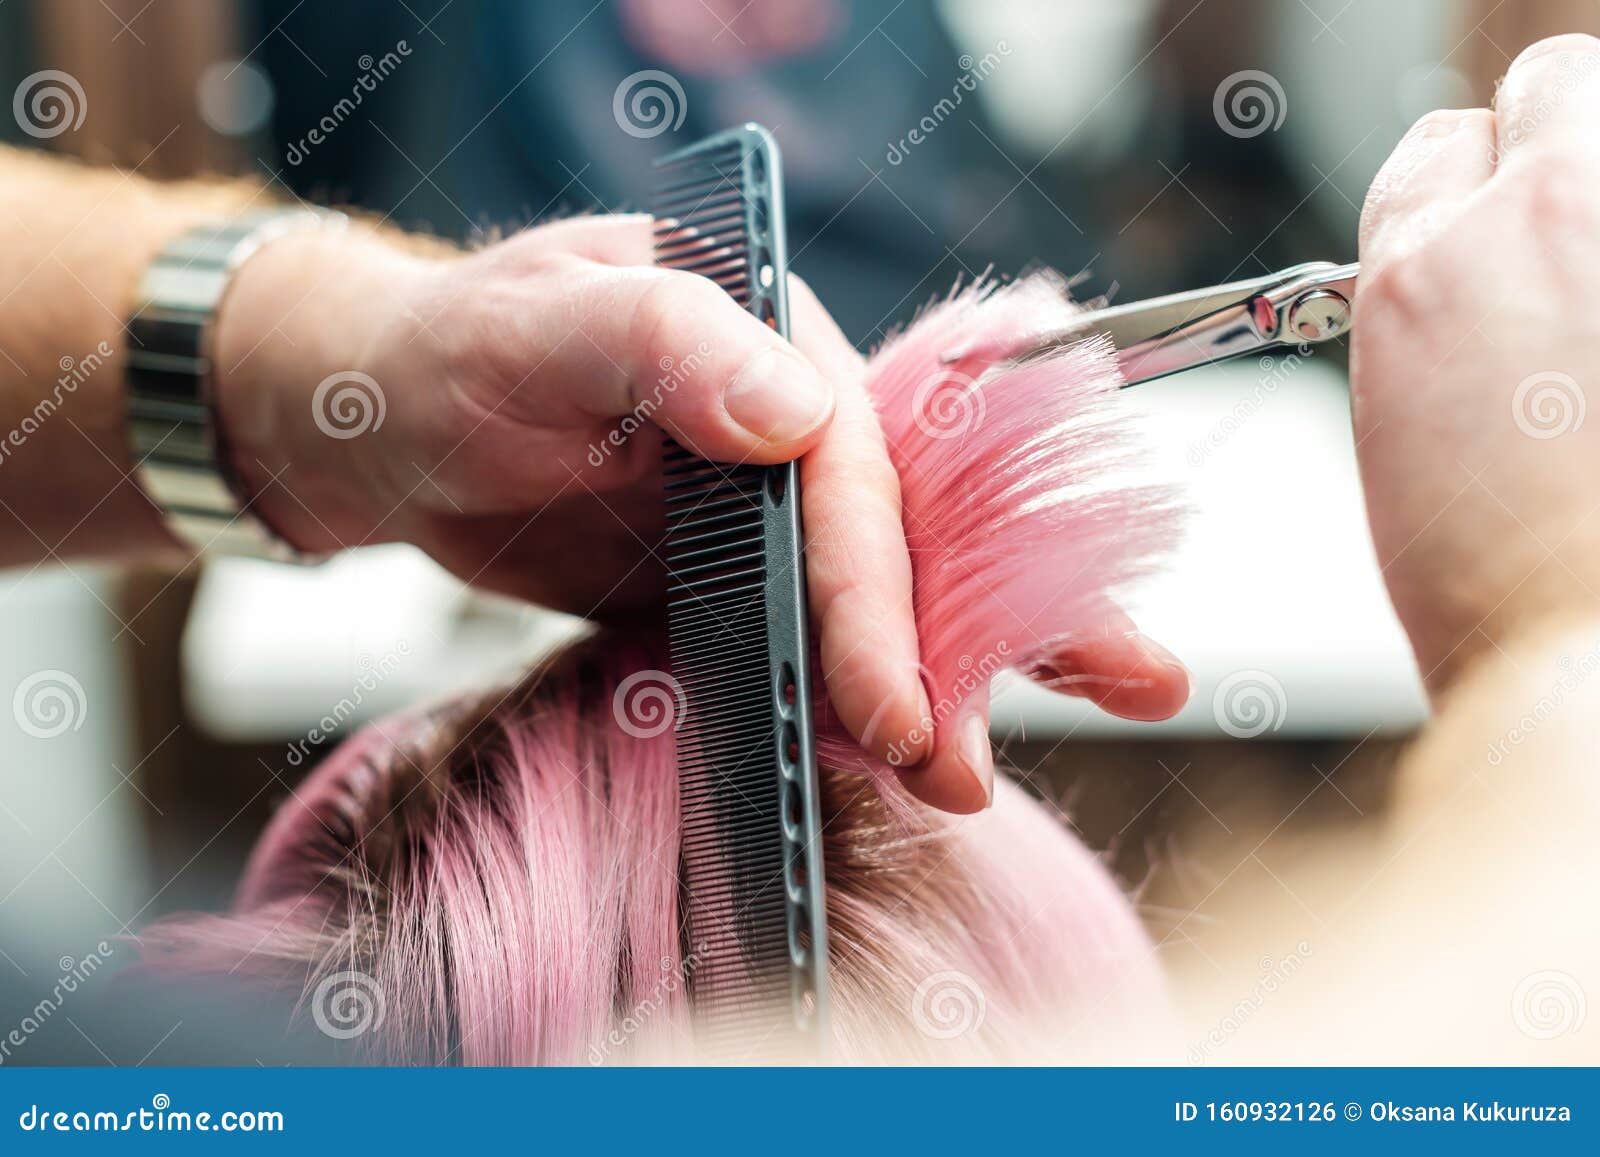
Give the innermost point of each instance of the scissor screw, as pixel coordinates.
(1319, 315)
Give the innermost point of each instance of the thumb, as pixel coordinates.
(673, 348)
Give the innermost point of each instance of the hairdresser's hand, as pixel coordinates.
(1475, 357)
(470, 404)
(484, 428)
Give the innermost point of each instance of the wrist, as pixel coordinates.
(297, 407)
(64, 332)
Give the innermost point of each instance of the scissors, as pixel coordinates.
(1304, 304)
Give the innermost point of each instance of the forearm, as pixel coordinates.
(1488, 863)
(73, 243)
(1431, 932)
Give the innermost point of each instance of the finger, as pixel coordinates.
(1117, 668)
(1446, 157)
(959, 776)
(672, 348)
(858, 568)
(610, 239)
(1549, 94)
(815, 334)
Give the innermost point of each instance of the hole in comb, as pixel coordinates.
(800, 936)
(793, 805)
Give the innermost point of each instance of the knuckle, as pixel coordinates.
(1401, 297)
(527, 253)
(668, 298)
(472, 344)
(827, 499)
(1556, 192)
(881, 479)
(555, 262)
(860, 489)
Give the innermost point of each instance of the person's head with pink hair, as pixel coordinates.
(501, 875)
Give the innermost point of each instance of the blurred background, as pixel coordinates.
(1142, 146)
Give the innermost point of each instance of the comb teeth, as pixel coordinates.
(733, 848)
(751, 871)
(715, 216)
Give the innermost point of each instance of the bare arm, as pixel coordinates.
(75, 241)
(1456, 925)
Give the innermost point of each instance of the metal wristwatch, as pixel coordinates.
(178, 459)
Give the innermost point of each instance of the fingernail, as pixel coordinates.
(972, 747)
(1164, 657)
(919, 744)
(778, 397)
(1441, 123)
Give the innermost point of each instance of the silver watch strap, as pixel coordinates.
(178, 459)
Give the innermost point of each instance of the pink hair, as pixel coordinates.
(1016, 518)
(502, 877)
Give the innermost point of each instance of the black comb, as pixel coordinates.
(755, 928)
